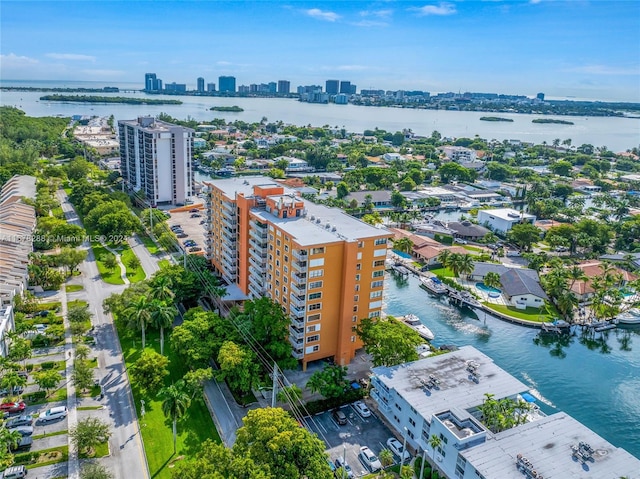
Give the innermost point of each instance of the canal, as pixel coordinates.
(595, 377)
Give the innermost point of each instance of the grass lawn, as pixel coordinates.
(43, 458)
(196, 427)
(50, 306)
(111, 277)
(77, 303)
(475, 249)
(444, 272)
(164, 263)
(89, 408)
(49, 434)
(134, 275)
(72, 288)
(101, 450)
(34, 399)
(149, 244)
(537, 315)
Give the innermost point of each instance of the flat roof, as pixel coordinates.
(546, 443)
(457, 390)
(503, 214)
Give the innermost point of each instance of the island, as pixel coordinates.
(495, 118)
(109, 99)
(234, 108)
(552, 120)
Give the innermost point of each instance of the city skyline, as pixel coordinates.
(566, 49)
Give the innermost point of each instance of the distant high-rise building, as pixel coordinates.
(151, 82)
(211, 87)
(200, 82)
(345, 87)
(227, 84)
(243, 89)
(352, 90)
(273, 87)
(284, 87)
(332, 87)
(309, 89)
(176, 87)
(155, 157)
(540, 96)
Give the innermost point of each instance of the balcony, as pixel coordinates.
(256, 263)
(259, 245)
(299, 254)
(298, 290)
(229, 207)
(296, 343)
(260, 226)
(229, 276)
(229, 264)
(297, 322)
(258, 273)
(229, 223)
(297, 312)
(298, 301)
(296, 333)
(258, 235)
(259, 256)
(297, 353)
(299, 279)
(255, 290)
(229, 255)
(300, 266)
(230, 235)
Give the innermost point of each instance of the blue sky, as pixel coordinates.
(585, 49)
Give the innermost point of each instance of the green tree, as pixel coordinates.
(20, 350)
(194, 380)
(82, 376)
(78, 314)
(238, 367)
(82, 352)
(404, 245)
(388, 341)
(524, 235)
(133, 262)
(89, 433)
(561, 168)
(502, 414)
(273, 439)
(138, 316)
(397, 200)
(434, 444)
(94, 470)
(175, 402)
(47, 380)
(71, 258)
(162, 316)
(386, 458)
(110, 261)
(150, 371)
(342, 190)
(492, 280)
(331, 382)
(460, 264)
(10, 380)
(9, 440)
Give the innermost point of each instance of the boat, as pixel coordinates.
(424, 350)
(414, 323)
(463, 298)
(629, 317)
(433, 284)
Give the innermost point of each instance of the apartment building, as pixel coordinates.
(440, 396)
(323, 266)
(156, 158)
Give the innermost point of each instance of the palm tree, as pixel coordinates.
(175, 402)
(82, 352)
(10, 439)
(162, 316)
(492, 280)
(445, 257)
(466, 264)
(434, 443)
(161, 289)
(404, 244)
(138, 316)
(386, 458)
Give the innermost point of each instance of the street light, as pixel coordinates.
(344, 460)
(404, 446)
(142, 410)
(424, 459)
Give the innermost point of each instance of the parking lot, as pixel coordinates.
(346, 440)
(192, 227)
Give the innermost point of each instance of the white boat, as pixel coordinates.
(629, 317)
(424, 350)
(433, 284)
(414, 322)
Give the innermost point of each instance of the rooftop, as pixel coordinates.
(507, 214)
(456, 389)
(547, 444)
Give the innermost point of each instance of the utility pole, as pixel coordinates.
(424, 459)
(274, 391)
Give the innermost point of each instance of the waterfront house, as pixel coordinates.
(519, 286)
(583, 289)
(379, 199)
(442, 395)
(501, 220)
(467, 230)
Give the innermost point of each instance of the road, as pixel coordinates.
(127, 459)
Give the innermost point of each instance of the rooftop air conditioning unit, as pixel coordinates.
(333, 228)
(327, 226)
(318, 220)
(313, 218)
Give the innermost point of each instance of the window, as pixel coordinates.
(356, 298)
(315, 306)
(379, 252)
(357, 287)
(313, 339)
(316, 262)
(378, 263)
(278, 273)
(277, 263)
(353, 339)
(412, 422)
(358, 266)
(313, 329)
(360, 244)
(359, 256)
(277, 252)
(286, 270)
(375, 294)
(317, 250)
(378, 274)
(313, 317)
(278, 242)
(357, 277)
(286, 248)
(355, 309)
(380, 241)
(377, 284)
(398, 407)
(286, 258)
(315, 296)
(316, 273)
(375, 304)
(284, 289)
(374, 314)
(315, 284)
(312, 349)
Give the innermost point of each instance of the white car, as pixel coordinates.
(340, 463)
(53, 414)
(362, 409)
(397, 449)
(370, 459)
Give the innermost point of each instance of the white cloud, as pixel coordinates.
(71, 56)
(605, 70)
(322, 14)
(12, 60)
(442, 8)
(369, 23)
(376, 13)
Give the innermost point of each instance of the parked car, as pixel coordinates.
(459, 240)
(182, 235)
(23, 430)
(40, 328)
(176, 227)
(44, 313)
(331, 465)
(14, 472)
(23, 374)
(396, 447)
(194, 249)
(13, 407)
(339, 416)
(341, 463)
(15, 391)
(24, 420)
(369, 459)
(203, 222)
(362, 409)
(196, 215)
(53, 414)
(24, 443)
(194, 210)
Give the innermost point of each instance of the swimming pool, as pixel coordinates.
(492, 292)
(402, 254)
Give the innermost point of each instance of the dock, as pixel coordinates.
(400, 269)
